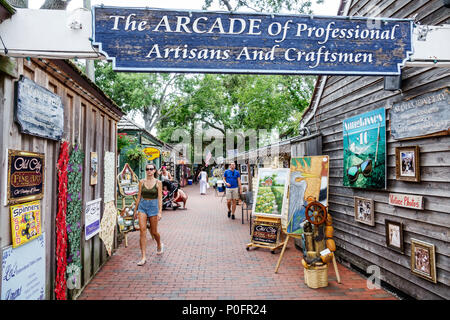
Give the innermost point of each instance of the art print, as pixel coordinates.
(394, 235)
(407, 166)
(423, 260)
(364, 211)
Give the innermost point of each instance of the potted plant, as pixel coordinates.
(124, 141)
(135, 156)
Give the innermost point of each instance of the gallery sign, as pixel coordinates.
(38, 111)
(25, 176)
(406, 201)
(421, 116)
(148, 39)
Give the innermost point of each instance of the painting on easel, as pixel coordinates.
(308, 183)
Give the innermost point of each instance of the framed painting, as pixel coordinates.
(423, 260)
(394, 235)
(94, 168)
(364, 211)
(407, 167)
(271, 192)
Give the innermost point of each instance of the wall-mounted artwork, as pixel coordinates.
(110, 183)
(244, 169)
(365, 150)
(423, 260)
(308, 182)
(271, 192)
(394, 235)
(407, 165)
(94, 168)
(364, 211)
(244, 179)
(128, 181)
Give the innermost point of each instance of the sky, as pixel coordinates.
(329, 7)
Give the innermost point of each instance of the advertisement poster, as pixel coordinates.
(25, 176)
(92, 218)
(365, 150)
(23, 271)
(25, 222)
(308, 182)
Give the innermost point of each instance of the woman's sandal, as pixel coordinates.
(142, 262)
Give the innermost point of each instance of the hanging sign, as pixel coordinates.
(38, 111)
(23, 271)
(25, 176)
(145, 39)
(25, 222)
(151, 153)
(421, 116)
(92, 218)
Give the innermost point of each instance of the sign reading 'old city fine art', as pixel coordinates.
(145, 39)
(25, 176)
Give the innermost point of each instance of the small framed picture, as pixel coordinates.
(244, 168)
(364, 211)
(423, 260)
(407, 166)
(244, 188)
(244, 179)
(394, 235)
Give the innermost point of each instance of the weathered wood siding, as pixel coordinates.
(86, 120)
(344, 97)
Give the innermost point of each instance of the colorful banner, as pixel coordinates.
(365, 150)
(25, 222)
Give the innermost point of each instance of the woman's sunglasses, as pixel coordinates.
(149, 169)
(365, 168)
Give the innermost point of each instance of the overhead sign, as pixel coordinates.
(151, 153)
(144, 39)
(421, 116)
(38, 111)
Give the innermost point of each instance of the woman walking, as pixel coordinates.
(149, 205)
(203, 176)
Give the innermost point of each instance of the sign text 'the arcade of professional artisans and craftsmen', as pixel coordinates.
(186, 41)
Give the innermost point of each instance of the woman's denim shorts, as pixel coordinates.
(149, 207)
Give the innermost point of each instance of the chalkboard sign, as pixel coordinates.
(265, 233)
(421, 116)
(25, 176)
(38, 111)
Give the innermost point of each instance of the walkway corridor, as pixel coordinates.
(205, 258)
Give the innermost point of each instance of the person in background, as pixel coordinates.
(203, 178)
(149, 206)
(233, 186)
(165, 175)
(181, 196)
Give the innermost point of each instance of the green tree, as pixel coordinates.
(297, 6)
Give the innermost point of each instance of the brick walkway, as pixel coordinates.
(205, 258)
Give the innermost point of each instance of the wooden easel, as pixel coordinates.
(272, 247)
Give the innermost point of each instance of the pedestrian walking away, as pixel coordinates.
(233, 189)
(149, 206)
(203, 176)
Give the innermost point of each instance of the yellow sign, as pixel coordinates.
(25, 222)
(152, 153)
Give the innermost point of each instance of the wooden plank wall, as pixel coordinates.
(344, 97)
(86, 122)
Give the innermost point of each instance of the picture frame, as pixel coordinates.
(423, 260)
(244, 168)
(244, 179)
(394, 235)
(364, 211)
(94, 168)
(244, 188)
(407, 163)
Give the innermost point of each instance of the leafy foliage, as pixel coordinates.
(270, 6)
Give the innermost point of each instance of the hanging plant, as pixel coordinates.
(135, 156)
(124, 141)
(74, 211)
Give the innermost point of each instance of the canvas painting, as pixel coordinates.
(271, 192)
(365, 150)
(308, 182)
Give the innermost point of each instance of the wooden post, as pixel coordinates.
(336, 269)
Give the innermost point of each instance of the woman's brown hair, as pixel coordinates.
(154, 166)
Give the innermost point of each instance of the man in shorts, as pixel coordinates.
(233, 186)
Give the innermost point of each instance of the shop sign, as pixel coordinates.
(406, 201)
(151, 153)
(25, 176)
(25, 222)
(149, 39)
(420, 116)
(38, 111)
(265, 233)
(23, 271)
(92, 218)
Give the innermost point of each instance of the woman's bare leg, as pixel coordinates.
(142, 234)
(154, 230)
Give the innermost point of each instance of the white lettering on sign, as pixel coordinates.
(406, 201)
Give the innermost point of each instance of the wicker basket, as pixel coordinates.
(317, 276)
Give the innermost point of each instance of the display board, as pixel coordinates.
(23, 271)
(26, 222)
(92, 218)
(25, 180)
(308, 182)
(365, 150)
(265, 233)
(38, 111)
(149, 39)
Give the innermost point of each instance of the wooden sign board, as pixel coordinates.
(406, 201)
(266, 233)
(25, 176)
(421, 116)
(38, 111)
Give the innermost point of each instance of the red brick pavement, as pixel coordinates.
(206, 258)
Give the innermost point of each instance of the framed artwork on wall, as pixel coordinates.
(244, 179)
(244, 169)
(394, 235)
(423, 260)
(364, 211)
(407, 164)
